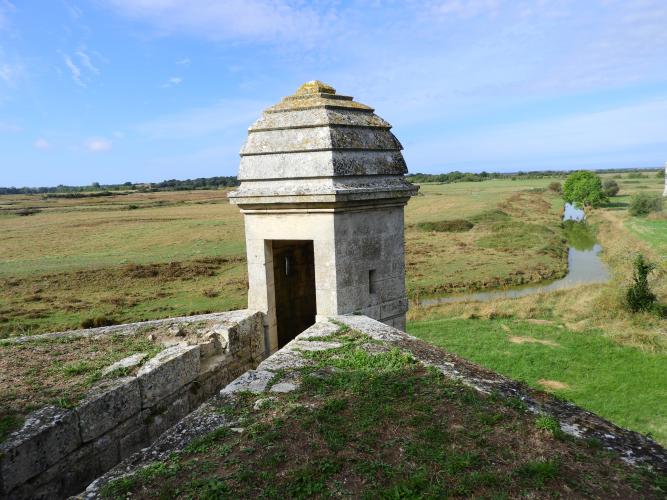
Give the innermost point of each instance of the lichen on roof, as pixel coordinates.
(315, 87)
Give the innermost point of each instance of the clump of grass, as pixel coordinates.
(494, 215)
(539, 472)
(9, 424)
(447, 226)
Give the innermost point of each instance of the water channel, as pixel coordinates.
(583, 259)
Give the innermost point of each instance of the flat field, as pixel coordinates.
(128, 257)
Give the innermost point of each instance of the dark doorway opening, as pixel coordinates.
(294, 285)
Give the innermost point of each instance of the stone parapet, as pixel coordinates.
(59, 451)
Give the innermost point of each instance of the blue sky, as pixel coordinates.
(144, 90)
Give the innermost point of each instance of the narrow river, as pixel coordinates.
(584, 266)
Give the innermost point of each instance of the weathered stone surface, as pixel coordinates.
(283, 387)
(47, 436)
(252, 381)
(314, 345)
(125, 363)
(108, 405)
(167, 372)
(167, 415)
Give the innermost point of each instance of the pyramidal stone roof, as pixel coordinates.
(326, 144)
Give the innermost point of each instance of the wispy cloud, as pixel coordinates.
(264, 20)
(41, 144)
(173, 81)
(5, 8)
(184, 62)
(197, 122)
(465, 8)
(546, 142)
(81, 67)
(74, 70)
(98, 145)
(7, 127)
(86, 62)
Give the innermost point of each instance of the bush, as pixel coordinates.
(447, 226)
(639, 296)
(610, 187)
(584, 188)
(556, 187)
(97, 322)
(660, 174)
(645, 203)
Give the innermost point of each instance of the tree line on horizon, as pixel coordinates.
(97, 189)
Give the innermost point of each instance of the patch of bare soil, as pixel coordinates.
(553, 384)
(516, 339)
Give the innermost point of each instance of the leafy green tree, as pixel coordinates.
(584, 188)
(610, 187)
(639, 296)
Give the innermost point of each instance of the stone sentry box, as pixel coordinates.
(320, 169)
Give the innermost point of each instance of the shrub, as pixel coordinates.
(660, 174)
(639, 296)
(447, 226)
(556, 187)
(97, 322)
(645, 203)
(24, 212)
(610, 187)
(584, 188)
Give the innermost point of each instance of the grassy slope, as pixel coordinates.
(382, 426)
(623, 384)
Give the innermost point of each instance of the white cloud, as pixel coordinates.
(222, 116)
(184, 62)
(75, 71)
(263, 20)
(98, 145)
(42, 144)
(173, 81)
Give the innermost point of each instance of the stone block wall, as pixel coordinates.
(59, 451)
